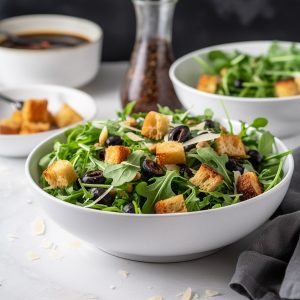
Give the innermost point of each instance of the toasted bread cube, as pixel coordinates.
(248, 185)
(35, 111)
(17, 116)
(116, 154)
(51, 119)
(60, 174)
(208, 83)
(9, 126)
(171, 205)
(155, 125)
(130, 122)
(67, 116)
(169, 153)
(285, 88)
(230, 145)
(31, 127)
(207, 179)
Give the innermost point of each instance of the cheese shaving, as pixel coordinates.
(211, 293)
(55, 255)
(46, 244)
(123, 273)
(199, 126)
(38, 226)
(134, 137)
(156, 298)
(31, 255)
(131, 128)
(101, 197)
(76, 244)
(187, 295)
(236, 175)
(204, 137)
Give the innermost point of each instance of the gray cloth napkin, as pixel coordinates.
(270, 269)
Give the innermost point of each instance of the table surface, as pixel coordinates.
(72, 270)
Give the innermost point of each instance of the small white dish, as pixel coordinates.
(15, 145)
(282, 113)
(73, 66)
(159, 238)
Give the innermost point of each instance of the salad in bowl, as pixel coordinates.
(162, 163)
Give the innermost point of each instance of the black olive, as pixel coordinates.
(234, 165)
(183, 169)
(101, 154)
(106, 200)
(180, 134)
(150, 169)
(238, 83)
(93, 177)
(114, 140)
(209, 124)
(129, 208)
(255, 158)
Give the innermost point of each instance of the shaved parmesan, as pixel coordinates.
(187, 295)
(131, 128)
(134, 137)
(156, 298)
(76, 244)
(103, 136)
(101, 197)
(236, 175)
(38, 226)
(166, 137)
(207, 136)
(172, 167)
(199, 126)
(123, 273)
(46, 244)
(55, 255)
(211, 293)
(196, 296)
(31, 255)
(170, 118)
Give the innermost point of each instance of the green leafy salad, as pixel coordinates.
(161, 162)
(273, 74)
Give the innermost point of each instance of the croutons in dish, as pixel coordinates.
(161, 162)
(35, 117)
(273, 74)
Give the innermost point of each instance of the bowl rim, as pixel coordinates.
(53, 16)
(89, 99)
(290, 168)
(202, 51)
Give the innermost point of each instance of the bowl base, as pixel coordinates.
(160, 259)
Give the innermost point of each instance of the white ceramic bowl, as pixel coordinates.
(282, 113)
(73, 67)
(158, 238)
(14, 145)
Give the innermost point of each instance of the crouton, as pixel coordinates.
(297, 80)
(31, 127)
(169, 153)
(35, 111)
(60, 174)
(155, 125)
(130, 122)
(248, 185)
(9, 126)
(231, 145)
(202, 144)
(67, 116)
(51, 119)
(17, 117)
(174, 204)
(208, 83)
(152, 148)
(285, 88)
(207, 179)
(116, 154)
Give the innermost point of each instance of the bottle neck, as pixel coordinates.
(154, 19)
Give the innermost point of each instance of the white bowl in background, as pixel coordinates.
(73, 66)
(282, 113)
(158, 238)
(15, 145)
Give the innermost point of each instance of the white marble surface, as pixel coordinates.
(86, 273)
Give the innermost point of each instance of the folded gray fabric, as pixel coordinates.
(270, 269)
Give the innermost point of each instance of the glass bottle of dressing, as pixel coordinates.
(147, 80)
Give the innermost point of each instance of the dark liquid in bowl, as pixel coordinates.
(44, 40)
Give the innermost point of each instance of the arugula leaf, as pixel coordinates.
(126, 111)
(265, 143)
(215, 161)
(259, 123)
(160, 189)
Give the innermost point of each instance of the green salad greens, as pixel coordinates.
(161, 162)
(243, 75)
